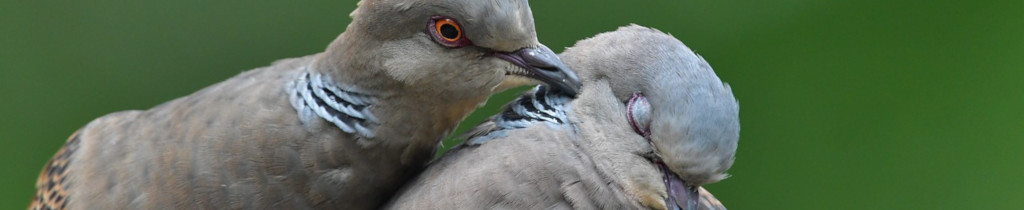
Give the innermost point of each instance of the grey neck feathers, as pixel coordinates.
(537, 106)
(314, 95)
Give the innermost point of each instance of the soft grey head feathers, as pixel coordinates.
(500, 24)
(694, 118)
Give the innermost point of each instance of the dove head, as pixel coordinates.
(671, 96)
(456, 48)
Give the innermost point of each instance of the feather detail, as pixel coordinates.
(52, 185)
(348, 109)
(535, 106)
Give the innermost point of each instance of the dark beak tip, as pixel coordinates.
(565, 81)
(547, 64)
(574, 87)
(546, 67)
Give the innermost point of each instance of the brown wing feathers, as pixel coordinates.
(52, 185)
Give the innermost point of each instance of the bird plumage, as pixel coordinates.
(338, 129)
(698, 129)
(596, 159)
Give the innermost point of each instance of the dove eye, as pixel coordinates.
(638, 113)
(447, 32)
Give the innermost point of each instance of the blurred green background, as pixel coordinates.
(845, 104)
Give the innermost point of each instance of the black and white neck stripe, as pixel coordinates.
(540, 105)
(314, 95)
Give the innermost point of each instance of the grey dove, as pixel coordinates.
(344, 128)
(652, 124)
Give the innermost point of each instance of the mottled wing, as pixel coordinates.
(52, 184)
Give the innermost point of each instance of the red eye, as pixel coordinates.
(447, 31)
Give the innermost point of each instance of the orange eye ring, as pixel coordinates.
(447, 32)
(448, 29)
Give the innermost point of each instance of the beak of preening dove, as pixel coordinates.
(680, 194)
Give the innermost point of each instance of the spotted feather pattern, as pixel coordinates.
(53, 183)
